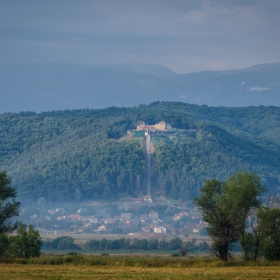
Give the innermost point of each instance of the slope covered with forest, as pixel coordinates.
(87, 154)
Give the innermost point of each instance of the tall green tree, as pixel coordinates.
(226, 207)
(242, 193)
(8, 206)
(210, 204)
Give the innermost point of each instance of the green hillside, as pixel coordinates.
(86, 154)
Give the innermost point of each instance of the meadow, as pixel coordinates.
(134, 267)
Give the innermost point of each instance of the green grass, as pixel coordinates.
(73, 266)
(133, 261)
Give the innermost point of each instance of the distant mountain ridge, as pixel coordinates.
(46, 87)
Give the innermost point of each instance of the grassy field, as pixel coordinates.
(133, 267)
(15, 271)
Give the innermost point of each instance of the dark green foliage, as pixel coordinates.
(241, 193)
(144, 261)
(269, 232)
(83, 154)
(251, 245)
(184, 249)
(4, 244)
(27, 243)
(8, 205)
(144, 244)
(220, 229)
(226, 206)
(60, 243)
(175, 255)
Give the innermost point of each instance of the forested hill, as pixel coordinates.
(87, 154)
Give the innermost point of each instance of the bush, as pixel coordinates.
(61, 243)
(175, 255)
(27, 243)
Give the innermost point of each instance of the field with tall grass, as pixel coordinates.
(134, 267)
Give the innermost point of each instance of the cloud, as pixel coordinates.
(185, 36)
(259, 89)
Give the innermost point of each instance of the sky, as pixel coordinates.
(184, 35)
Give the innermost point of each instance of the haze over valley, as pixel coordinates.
(50, 86)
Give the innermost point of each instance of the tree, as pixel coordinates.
(242, 193)
(27, 243)
(225, 206)
(210, 203)
(184, 249)
(269, 231)
(8, 205)
(251, 239)
(67, 243)
(175, 243)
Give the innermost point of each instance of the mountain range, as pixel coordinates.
(42, 87)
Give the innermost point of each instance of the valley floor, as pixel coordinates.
(16, 271)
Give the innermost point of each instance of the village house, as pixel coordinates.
(74, 217)
(93, 220)
(102, 228)
(148, 199)
(182, 214)
(196, 229)
(199, 226)
(125, 216)
(159, 229)
(86, 224)
(176, 217)
(153, 215)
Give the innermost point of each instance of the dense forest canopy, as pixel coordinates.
(87, 154)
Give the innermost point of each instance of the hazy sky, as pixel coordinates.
(184, 35)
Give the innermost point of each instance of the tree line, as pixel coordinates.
(145, 244)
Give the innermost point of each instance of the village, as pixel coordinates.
(141, 217)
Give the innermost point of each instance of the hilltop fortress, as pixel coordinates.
(163, 126)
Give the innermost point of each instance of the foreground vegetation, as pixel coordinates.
(134, 261)
(116, 267)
